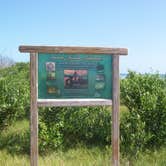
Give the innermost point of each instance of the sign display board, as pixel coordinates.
(74, 76)
(63, 76)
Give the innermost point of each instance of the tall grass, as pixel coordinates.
(83, 157)
(156, 158)
(7, 159)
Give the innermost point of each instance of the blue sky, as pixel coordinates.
(139, 26)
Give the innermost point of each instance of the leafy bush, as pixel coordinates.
(145, 97)
(14, 93)
(91, 125)
(68, 126)
(50, 129)
(16, 139)
(132, 134)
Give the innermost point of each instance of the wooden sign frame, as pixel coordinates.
(35, 102)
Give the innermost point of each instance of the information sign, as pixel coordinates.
(74, 76)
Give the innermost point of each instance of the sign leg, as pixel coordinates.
(33, 113)
(115, 112)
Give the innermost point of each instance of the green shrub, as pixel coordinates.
(69, 126)
(132, 134)
(50, 129)
(90, 125)
(14, 93)
(145, 97)
(16, 138)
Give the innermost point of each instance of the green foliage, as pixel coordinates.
(16, 138)
(50, 129)
(13, 152)
(89, 125)
(145, 97)
(14, 93)
(132, 134)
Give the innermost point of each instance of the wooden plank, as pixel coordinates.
(73, 102)
(74, 50)
(33, 113)
(115, 112)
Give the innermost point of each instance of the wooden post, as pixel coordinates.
(115, 112)
(33, 113)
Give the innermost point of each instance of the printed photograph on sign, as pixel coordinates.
(50, 68)
(100, 77)
(50, 75)
(99, 85)
(75, 79)
(53, 90)
(100, 68)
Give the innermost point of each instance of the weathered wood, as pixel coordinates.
(33, 113)
(115, 112)
(74, 50)
(34, 50)
(73, 102)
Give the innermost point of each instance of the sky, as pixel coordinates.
(139, 25)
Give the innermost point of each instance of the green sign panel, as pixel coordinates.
(62, 76)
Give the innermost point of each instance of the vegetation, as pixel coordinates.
(69, 126)
(14, 93)
(63, 130)
(145, 97)
(80, 155)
